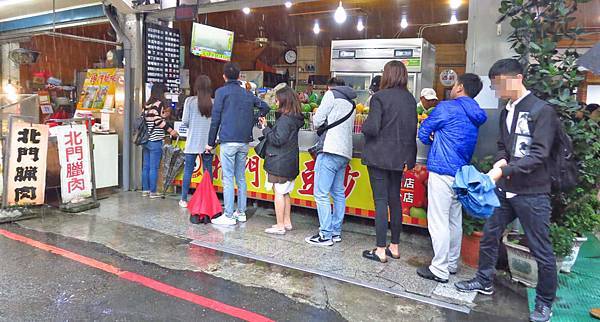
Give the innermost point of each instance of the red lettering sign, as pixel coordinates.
(350, 180)
(253, 165)
(308, 179)
(74, 169)
(77, 151)
(76, 184)
(216, 166)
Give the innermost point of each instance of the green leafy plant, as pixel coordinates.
(471, 225)
(562, 240)
(539, 25)
(582, 217)
(485, 164)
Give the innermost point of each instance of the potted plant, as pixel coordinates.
(473, 227)
(581, 218)
(472, 233)
(539, 25)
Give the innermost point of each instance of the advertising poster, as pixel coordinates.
(26, 181)
(359, 196)
(98, 88)
(74, 158)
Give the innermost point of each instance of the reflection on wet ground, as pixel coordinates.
(176, 253)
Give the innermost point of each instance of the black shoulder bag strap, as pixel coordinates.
(322, 130)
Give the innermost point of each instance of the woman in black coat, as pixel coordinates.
(390, 147)
(282, 156)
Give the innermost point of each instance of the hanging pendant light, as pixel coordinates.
(403, 23)
(316, 28)
(288, 4)
(360, 26)
(340, 14)
(453, 19)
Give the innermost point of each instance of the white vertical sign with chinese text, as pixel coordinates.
(26, 181)
(74, 158)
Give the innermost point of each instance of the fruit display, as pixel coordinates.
(307, 108)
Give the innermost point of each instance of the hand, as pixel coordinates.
(174, 134)
(495, 174)
(500, 163)
(208, 148)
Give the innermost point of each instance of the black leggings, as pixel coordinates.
(386, 193)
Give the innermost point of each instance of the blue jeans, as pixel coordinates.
(188, 170)
(152, 153)
(233, 164)
(330, 170)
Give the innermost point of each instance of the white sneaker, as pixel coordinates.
(275, 231)
(241, 217)
(224, 221)
(182, 203)
(155, 195)
(145, 193)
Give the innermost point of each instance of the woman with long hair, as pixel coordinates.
(390, 148)
(152, 150)
(197, 117)
(283, 156)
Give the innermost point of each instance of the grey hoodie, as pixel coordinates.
(335, 106)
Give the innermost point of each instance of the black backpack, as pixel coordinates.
(141, 133)
(562, 165)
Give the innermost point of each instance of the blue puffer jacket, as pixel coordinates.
(455, 126)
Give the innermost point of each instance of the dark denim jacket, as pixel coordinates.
(233, 114)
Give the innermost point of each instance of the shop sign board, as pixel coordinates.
(99, 89)
(28, 150)
(74, 158)
(357, 187)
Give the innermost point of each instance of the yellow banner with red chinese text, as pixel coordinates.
(359, 196)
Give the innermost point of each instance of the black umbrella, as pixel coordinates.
(591, 59)
(173, 159)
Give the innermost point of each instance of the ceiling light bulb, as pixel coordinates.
(316, 28)
(360, 26)
(340, 14)
(288, 4)
(453, 19)
(11, 92)
(246, 10)
(403, 23)
(454, 4)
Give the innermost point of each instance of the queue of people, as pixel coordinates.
(451, 128)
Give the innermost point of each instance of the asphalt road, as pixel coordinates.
(38, 285)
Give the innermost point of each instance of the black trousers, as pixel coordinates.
(386, 193)
(534, 213)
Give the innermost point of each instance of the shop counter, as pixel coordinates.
(359, 197)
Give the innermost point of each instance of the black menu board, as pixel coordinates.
(162, 56)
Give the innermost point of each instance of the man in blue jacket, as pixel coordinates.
(451, 130)
(233, 119)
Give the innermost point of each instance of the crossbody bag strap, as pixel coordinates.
(343, 119)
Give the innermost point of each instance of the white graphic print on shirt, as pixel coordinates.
(523, 136)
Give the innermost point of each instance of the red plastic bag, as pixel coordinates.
(204, 202)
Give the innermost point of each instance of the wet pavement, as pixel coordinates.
(142, 231)
(36, 285)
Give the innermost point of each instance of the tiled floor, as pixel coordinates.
(342, 261)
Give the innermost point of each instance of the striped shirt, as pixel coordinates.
(156, 124)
